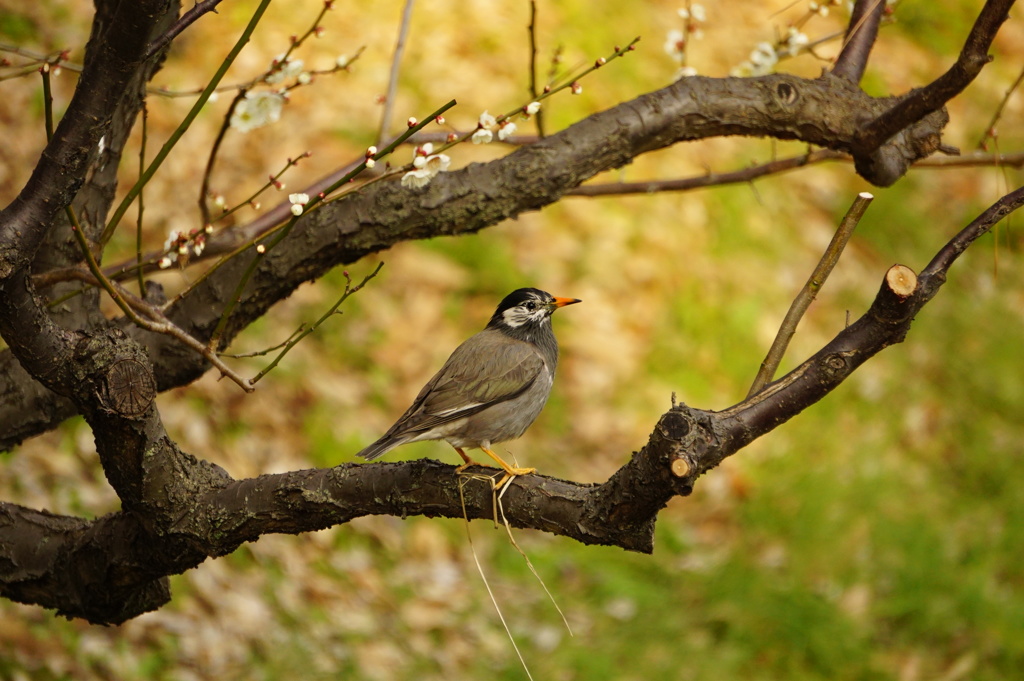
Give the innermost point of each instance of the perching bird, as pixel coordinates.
(492, 387)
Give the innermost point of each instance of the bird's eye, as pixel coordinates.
(530, 305)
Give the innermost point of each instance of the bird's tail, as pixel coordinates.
(380, 447)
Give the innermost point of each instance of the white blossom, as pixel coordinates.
(761, 61)
(342, 61)
(532, 108)
(287, 69)
(416, 178)
(482, 136)
(696, 12)
(172, 239)
(796, 40)
(256, 110)
(506, 130)
(296, 209)
(301, 199)
(437, 163)
(487, 120)
(674, 43)
(165, 262)
(426, 168)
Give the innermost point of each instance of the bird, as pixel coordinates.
(491, 389)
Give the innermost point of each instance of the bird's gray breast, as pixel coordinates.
(505, 420)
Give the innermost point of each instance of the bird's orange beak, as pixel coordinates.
(562, 302)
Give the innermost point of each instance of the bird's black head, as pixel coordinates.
(527, 307)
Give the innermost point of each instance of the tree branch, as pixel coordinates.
(922, 102)
(860, 38)
(187, 19)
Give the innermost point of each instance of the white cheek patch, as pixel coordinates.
(514, 317)
(517, 316)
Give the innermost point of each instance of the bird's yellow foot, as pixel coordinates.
(465, 457)
(510, 471)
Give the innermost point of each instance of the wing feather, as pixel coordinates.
(487, 369)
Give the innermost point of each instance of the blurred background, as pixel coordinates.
(877, 535)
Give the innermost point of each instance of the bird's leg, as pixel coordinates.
(465, 457)
(509, 470)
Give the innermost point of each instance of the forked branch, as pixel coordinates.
(215, 520)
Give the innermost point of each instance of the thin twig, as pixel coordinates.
(253, 82)
(122, 208)
(204, 187)
(155, 322)
(277, 234)
(532, 29)
(983, 159)
(297, 337)
(991, 127)
(389, 98)
(47, 103)
(264, 351)
(709, 179)
(187, 19)
(138, 220)
(810, 290)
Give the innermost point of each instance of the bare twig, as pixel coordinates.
(297, 337)
(154, 320)
(984, 159)
(532, 29)
(277, 234)
(810, 290)
(138, 220)
(122, 208)
(945, 258)
(389, 98)
(187, 19)
(204, 187)
(990, 129)
(860, 38)
(262, 78)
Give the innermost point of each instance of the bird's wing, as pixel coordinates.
(487, 369)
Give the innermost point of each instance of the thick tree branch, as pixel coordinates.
(925, 101)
